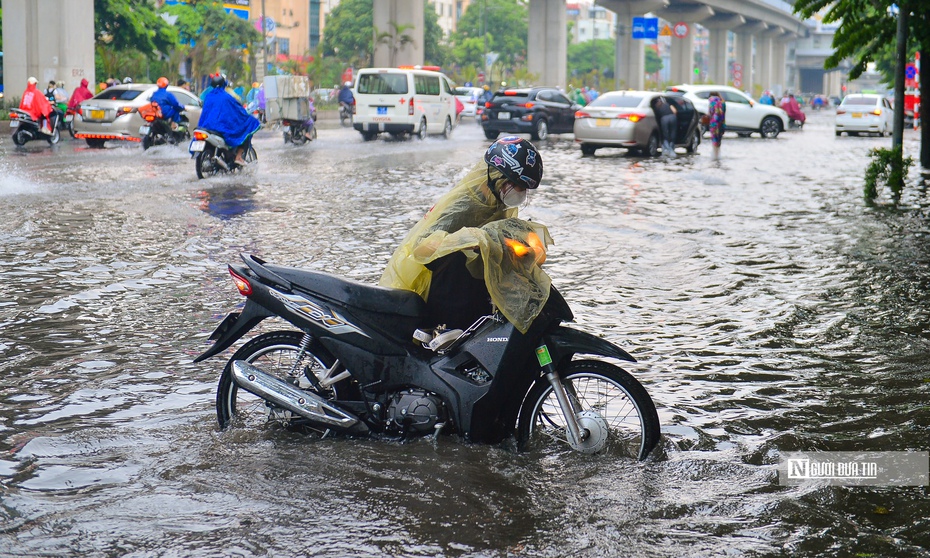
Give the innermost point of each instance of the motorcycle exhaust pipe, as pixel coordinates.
(304, 403)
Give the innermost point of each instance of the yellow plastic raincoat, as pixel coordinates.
(507, 252)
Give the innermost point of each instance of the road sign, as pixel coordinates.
(666, 31)
(910, 71)
(645, 27)
(737, 67)
(737, 83)
(680, 30)
(737, 75)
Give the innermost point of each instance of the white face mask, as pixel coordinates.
(512, 196)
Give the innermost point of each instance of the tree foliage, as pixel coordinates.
(132, 25)
(212, 39)
(503, 25)
(350, 34)
(594, 55)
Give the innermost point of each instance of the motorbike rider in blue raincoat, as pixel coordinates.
(223, 114)
(171, 109)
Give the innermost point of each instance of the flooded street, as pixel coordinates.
(770, 308)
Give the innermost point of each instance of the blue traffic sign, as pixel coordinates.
(645, 28)
(910, 71)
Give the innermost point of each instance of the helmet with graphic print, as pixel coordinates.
(518, 160)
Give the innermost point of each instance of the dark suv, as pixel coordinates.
(537, 111)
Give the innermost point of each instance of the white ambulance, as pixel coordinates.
(403, 101)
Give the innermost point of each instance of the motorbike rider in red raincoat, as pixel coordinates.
(38, 107)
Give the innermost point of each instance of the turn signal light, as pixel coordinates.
(877, 112)
(200, 136)
(582, 114)
(13, 116)
(245, 288)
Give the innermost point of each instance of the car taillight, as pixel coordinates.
(527, 105)
(245, 288)
(877, 112)
(634, 117)
(582, 114)
(840, 111)
(285, 123)
(200, 136)
(126, 110)
(410, 107)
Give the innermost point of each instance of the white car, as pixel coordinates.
(469, 99)
(745, 115)
(866, 113)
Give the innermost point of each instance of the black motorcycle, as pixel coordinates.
(26, 129)
(299, 132)
(159, 131)
(213, 156)
(345, 113)
(350, 365)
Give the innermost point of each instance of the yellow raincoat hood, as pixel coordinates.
(509, 250)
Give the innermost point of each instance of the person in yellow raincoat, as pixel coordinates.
(470, 250)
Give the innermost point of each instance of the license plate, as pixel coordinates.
(382, 110)
(97, 114)
(603, 122)
(857, 115)
(198, 145)
(503, 116)
(14, 123)
(144, 130)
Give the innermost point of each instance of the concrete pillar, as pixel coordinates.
(744, 50)
(630, 65)
(719, 27)
(547, 44)
(682, 55)
(763, 70)
(682, 59)
(767, 63)
(405, 16)
(779, 63)
(49, 40)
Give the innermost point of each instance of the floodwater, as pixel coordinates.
(770, 308)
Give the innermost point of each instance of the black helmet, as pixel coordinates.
(517, 159)
(219, 80)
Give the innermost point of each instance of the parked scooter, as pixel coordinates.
(213, 156)
(26, 129)
(353, 362)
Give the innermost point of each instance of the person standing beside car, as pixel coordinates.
(666, 114)
(717, 113)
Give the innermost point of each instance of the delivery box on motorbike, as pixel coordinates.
(287, 97)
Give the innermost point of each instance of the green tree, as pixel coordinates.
(653, 61)
(594, 55)
(435, 52)
(212, 39)
(500, 25)
(132, 25)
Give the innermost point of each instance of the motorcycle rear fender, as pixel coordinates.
(234, 327)
(564, 342)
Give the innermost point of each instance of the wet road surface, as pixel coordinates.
(770, 308)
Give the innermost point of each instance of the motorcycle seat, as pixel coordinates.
(373, 298)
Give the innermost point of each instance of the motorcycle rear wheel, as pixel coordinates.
(20, 138)
(607, 399)
(206, 163)
(275, 353)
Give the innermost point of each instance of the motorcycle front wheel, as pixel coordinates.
(277, 353)
(611, 406)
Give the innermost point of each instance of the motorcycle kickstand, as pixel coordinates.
(576, 433)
